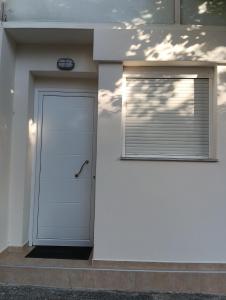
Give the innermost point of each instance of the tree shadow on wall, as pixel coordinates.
(190, 44)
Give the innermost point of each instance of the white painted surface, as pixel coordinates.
(156, 211)
(47, 35)
(145, 211)
(7, 64)
(57, 81)
(66, 130)
(156, 44)
(92, 11)
(43, 61)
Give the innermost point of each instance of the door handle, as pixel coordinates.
(80, 171)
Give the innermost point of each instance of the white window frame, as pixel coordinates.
(172, 72)
(177, 12)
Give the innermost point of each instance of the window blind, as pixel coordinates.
(167, 117)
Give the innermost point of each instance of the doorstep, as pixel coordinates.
(122, 276)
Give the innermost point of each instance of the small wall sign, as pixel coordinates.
(65, 64)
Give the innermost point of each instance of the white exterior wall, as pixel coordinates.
(144, 211)
(7, 60)
(166, 44)
(39, 60)
(158, 211)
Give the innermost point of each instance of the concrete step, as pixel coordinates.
(116, 279)
(15, 269)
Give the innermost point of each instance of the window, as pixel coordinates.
(203, 12)
(167, 113)
(132, 12)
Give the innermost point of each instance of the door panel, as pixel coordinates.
(65, 166)
(64, 214)
(63, 191)
(69, 233)
(58, 139)
(69, 113)
(66, 142)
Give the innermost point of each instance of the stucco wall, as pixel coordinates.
(161, 44)
(145, 211)
(35, 60)
(7, 61)
(158, 211)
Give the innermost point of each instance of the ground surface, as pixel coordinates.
(34, 293)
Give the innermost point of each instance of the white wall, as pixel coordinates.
(145, 211)
(7, 60)
(161, 44)
(39, 60)
(158, 211)
(65, 83)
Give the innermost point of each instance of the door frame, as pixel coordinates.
(36, 160)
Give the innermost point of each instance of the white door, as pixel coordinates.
(64, 175)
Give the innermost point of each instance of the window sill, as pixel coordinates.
(209, 160)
